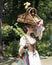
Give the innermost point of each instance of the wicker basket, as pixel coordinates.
(26, 17)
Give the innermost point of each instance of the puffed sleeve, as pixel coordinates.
(22, 41)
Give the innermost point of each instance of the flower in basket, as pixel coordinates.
(27, 4)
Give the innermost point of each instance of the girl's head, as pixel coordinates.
(28, 28)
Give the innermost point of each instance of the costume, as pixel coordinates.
(34, 58)
(24, 40)
(29, 18)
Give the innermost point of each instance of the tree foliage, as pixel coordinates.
(12, 31)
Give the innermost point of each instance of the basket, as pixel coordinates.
(27, 17)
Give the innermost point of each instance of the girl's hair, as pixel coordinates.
(25, 27)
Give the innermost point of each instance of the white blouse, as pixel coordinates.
(34, 58)
(24, 40)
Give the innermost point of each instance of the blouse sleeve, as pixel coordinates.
(22, 44)
(22, 41)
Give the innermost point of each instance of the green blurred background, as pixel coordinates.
(11, 29)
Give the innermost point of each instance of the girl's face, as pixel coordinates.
(30, 29)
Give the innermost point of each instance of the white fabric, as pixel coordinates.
(31, 40)
(24, 40)
(40, 30)
(22, 43)
(34, 59)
